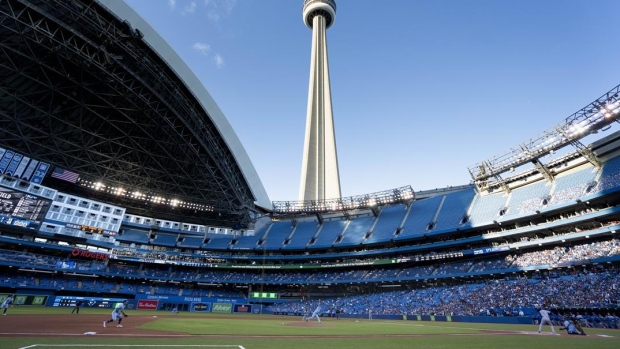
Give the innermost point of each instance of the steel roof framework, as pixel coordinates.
(80, 89)
(595, 116)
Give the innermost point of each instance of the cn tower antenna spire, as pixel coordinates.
(320, 179)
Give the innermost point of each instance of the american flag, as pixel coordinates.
(65, 175)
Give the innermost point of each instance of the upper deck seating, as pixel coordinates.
(276, 235)
(329, 233)
(388, 222)
(487, 208)
(420, 215)
(355, 233)
(303, 233)
(453, 209)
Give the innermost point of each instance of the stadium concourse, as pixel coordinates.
(89, 108)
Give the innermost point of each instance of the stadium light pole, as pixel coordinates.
(320, 179)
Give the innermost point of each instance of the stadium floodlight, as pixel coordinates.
(589, 119)
(146, 197)
(366, 201)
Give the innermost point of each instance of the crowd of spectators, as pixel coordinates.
(575, 286)
(564, 255)
(594, 288)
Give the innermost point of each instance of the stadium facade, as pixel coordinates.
(100, 123)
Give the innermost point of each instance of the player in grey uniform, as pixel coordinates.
(572, 327)
(6, 304)
(316, 313)
(117, 313)
(545, 320)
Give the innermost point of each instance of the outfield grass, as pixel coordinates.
(280, 332)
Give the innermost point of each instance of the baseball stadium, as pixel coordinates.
(123, 185)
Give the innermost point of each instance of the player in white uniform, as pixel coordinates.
(545, 320)
(6, 304)
(118, 313)
(316, 313)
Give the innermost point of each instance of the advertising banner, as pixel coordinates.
(200, 307)
(222, 308)
(144, 304)
(6, 158)
(242, 308)
(24, 299)
(38, 175)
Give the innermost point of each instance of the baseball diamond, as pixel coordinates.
(132, 214)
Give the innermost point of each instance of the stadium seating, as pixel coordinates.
(329, 233)
(162, 239)
(276, 235)
(453, 209)
(421, 214)
(388, 222)
(193, 242)
(610, 176)
(217, 242)
(356, 231)
(487, 209)
(132, 235)
(247, 242)
(302, 234)
(528, 199)
(572, 185)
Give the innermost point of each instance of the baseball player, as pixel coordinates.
(118, 313)
(7, 303)
(76, 308)
(571, 327)
(316, 313)
(545, 320)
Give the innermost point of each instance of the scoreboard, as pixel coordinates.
(87, 302)
(268, 295)
(90, 229)
(22, 210)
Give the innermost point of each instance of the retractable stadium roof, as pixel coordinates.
(89, 86)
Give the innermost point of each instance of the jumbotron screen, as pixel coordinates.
(22, 210)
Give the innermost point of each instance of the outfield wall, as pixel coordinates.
(524, 320)
(27, 297)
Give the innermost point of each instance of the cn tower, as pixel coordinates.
(320, 179)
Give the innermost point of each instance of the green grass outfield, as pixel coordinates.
(282, 332)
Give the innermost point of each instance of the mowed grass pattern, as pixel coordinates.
(281, 332)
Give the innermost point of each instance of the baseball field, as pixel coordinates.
(39, 327)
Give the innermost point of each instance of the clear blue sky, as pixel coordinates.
(421, 89)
